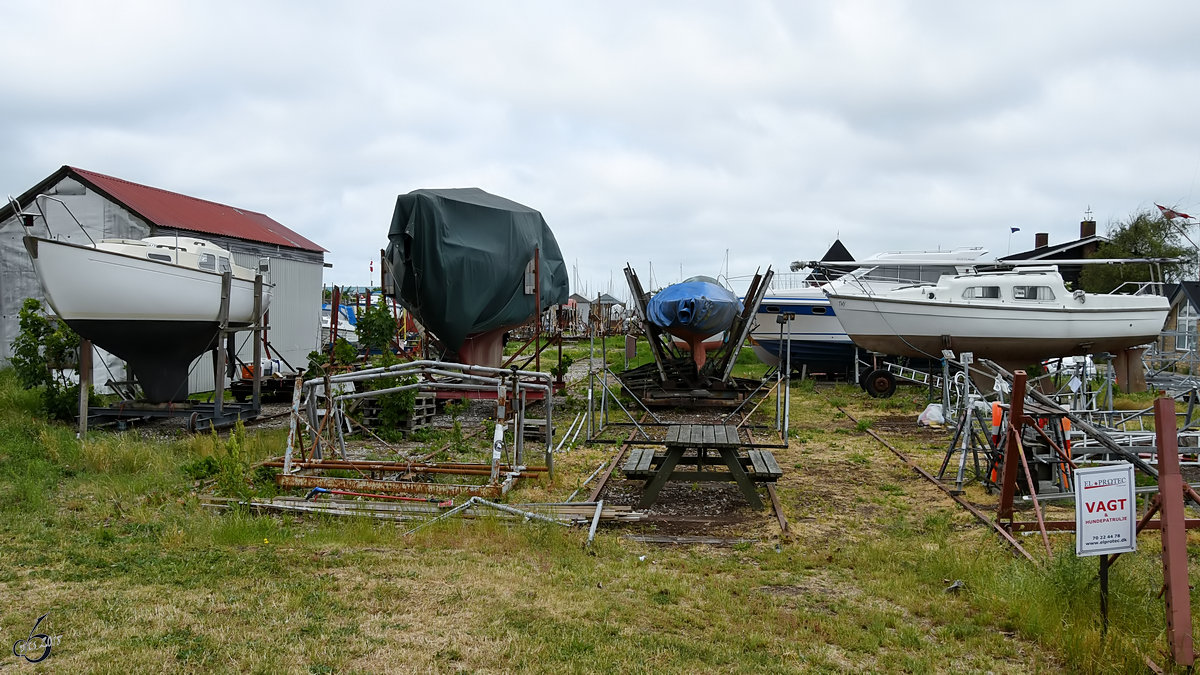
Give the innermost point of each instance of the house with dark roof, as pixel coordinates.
(78, 202)
(1086, 245)
(1179, 335)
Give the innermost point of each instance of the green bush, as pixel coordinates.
(43, 351)
(395, 408)
(376, 328)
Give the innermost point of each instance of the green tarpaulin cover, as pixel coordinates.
(458, 258)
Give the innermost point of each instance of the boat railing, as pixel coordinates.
(1140, 288)
(792, 281)
(38, 201)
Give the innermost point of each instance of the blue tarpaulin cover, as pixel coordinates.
(697, 306)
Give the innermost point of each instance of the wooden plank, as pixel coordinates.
(632, 462)
(756, 459)
(673, 434)
(646, 458)
(728, 435)
(772, 466)
(710, 436)
(783, 523)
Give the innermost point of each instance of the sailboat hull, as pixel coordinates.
(155, 315)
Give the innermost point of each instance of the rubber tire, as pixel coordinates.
(879, 383)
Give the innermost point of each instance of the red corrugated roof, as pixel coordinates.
(171, 209)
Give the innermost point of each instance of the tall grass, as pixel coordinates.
(107, 532)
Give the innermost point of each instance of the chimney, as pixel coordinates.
(1087, 228)
(1041, 240)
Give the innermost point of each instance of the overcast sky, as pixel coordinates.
(667, 134)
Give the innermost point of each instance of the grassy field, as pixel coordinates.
(107, 537)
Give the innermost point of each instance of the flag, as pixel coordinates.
(372, 266)
(1171, 214)
(1013, 229)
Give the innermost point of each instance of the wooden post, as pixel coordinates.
(1016, 417)
(85, 384)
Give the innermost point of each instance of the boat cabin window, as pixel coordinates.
(992, 292)
(208, 261)
(159, 256)
(1032, 293)
(224, 265)
(772, 309)
(908, 274)
(818, 310)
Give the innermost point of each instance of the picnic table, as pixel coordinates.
(691, 444)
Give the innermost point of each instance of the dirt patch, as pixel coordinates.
(907, 425)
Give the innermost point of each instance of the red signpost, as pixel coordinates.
(1174, 535)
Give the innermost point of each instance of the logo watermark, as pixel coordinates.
(37, 646)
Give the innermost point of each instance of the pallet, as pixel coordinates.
(535, 429)
(424, 410)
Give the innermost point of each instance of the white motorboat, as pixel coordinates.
(1015, 317)
(817, 339)
(154, 302)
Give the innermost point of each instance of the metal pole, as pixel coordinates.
(1103, 595)
(1171, 487)
(261, 320)
(779, 375)
(537, 292)
(595, 522)
(591, 382)
(222, 349)
(787, 394)
(946, 389)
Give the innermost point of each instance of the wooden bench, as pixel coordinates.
(766, 469)
(760, 466)
(639, 463)
(690, 445)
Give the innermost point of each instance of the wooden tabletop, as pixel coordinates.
(703, 436)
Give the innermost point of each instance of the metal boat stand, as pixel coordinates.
(673, 380)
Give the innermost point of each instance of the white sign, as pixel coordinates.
(1105, 513)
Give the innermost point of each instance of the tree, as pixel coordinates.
(1144, 235)
(43, 351)
(376, 327)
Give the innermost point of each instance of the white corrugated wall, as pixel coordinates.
(294, 319)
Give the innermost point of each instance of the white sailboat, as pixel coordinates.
(154, 302)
